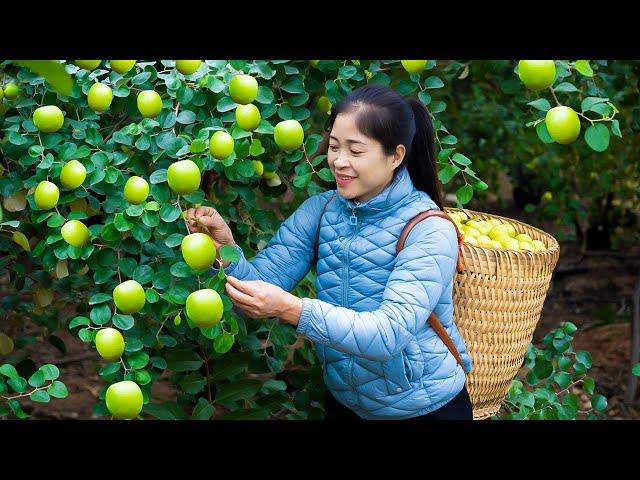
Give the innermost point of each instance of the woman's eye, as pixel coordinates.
(333, 148)
(356, 153)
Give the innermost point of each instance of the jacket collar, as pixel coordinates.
(389, 199)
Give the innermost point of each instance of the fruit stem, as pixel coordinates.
(553, 92)
(307, 159)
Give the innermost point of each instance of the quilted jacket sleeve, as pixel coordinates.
(423, 268)
(288, 256)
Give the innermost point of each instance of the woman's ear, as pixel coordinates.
(398, 155)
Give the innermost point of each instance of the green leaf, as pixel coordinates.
(79, 321)
(39, 396)
(449, 140)
(55, 221)
(274, 386)
(599, 402)
(121, 223)
(203, 410)
(564, 363)
(541, 104)
(584, 357)
(464, 194)
(183, 360)
(100, 314)
(52, 71)
(37, 379)
(447, 173)
(563, 379)
(99, 298)
(186, 117)
(569, 328)
(589, 385)
(138, 360)
(584, 68)
(326, 175)
(461, 159)
(58, 390)
(123, 322)
(566, 87)
(143, 274)
(159, 411)
(240, 390)
(223, 343)
(229, 253)
(543, 133)
(50, 372)
(193, 383)
(143, 377)
(170, 212)
(589, 102)
(543, 369)
(176, 295)
(615, 128)
(86, 335)
(181, 270)
(110, 369)
(433, 82)
(18, 384)
(597, 137)
(9, 371)
(158, 176)
(151, 295)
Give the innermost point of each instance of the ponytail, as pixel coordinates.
(421, 157)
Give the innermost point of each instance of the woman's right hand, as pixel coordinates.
(207, 220)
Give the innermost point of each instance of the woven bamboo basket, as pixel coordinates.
(497, 300)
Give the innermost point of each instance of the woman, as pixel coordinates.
(380, 357)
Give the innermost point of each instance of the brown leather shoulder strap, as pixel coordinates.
(433, 318)
(444, 336)
(422, 216)
(315, 251)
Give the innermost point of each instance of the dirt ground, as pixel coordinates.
(593, 292)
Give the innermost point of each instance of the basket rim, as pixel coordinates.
(554, 246)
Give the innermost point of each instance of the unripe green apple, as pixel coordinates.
(99, 97)
(136, 190)
(122, 66)
(288, 135)
(198, 250)
(149, 103)
(243, 89)
(46, 195)
(73, 174)
(221, 145)
(537, 74)
(205, 308)
(110, 344)
(187, 67)
(129, 297)
(48, 119)
(183, 177)
(124, 400)
(248, 117)
(75, 233)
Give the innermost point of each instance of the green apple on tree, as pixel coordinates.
(75, 233)
(221, 145)
(46, 195)
(136, 190)
(149, 103)
(324, 104)
(563, 124)
(258, 166)
(248, 117)
(73, 174)
(48, 119)
(204, 307)
(243, 89)
(188, 67)
(11, 91)
(414, 66)
(110, 344)
(122, 66)
(88, 64)
(129, 297)
(124, 400)
(198, 251)
(183, 177)
(537, 74)
(288, 135)
(99, 97)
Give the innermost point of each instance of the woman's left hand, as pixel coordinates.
(260, 299)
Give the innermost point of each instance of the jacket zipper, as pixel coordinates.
(353, 220)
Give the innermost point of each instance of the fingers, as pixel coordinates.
(244, 287)
(238, 297)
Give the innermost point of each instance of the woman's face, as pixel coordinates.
(352, 154)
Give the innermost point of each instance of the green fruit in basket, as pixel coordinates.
(523, 237)
(454, 216)
(472, 240)
(498, 231)
(496, 244)
(472, 223)
(526, 246)
(485, 241)
(471, 232)
(538, 245)
(495, 221)
(510, 243)
(484, 227)
(511, 229)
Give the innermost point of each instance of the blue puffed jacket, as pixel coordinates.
(379, 355)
